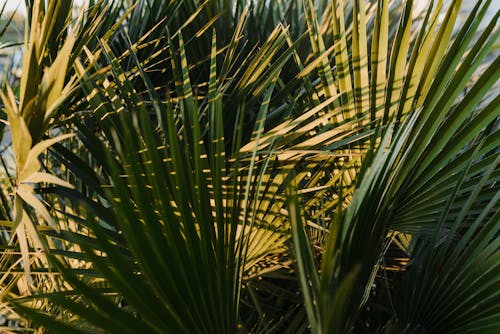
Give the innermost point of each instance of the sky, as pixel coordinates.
(12, 4)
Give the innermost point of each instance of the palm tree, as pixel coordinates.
(232, 166)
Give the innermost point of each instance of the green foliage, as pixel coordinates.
(253, 167)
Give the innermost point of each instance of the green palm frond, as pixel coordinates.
(408, 184)
(208, 232)
(253, 167)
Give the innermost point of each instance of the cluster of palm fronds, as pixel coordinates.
(249, 166)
